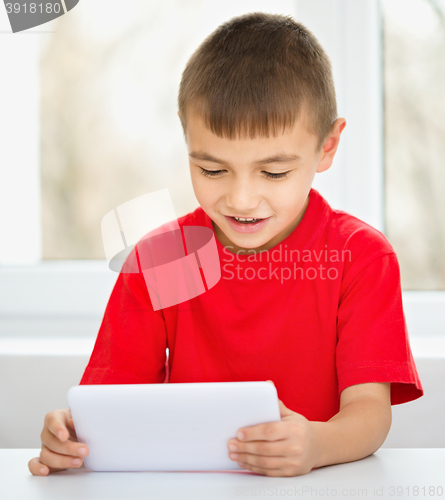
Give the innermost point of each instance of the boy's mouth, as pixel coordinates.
(245, 220)
(247, 224)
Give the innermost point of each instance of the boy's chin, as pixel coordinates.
(248, 241)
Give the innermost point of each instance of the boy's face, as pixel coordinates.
(241, 187)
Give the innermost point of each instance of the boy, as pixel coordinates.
(309, 296)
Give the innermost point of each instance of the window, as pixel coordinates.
(89, 121)
(109, 124)
(414, 69)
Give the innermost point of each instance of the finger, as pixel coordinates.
(71, 429)
(284, 411)
(59, 461)
(69, 447)
(37, 468)
(261, 470)
(56, 422)
(265, 448)
(269, 431)
(264, 462)
(60, 423)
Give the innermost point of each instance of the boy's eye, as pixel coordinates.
(216, 173)
(281, 175)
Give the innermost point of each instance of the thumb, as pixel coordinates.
(284, 411)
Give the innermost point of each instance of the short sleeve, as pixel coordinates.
(372, 336)
(131, 343)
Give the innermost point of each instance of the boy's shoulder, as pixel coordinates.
(360, 242)
(356, 233)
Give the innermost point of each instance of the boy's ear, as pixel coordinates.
(331, 144)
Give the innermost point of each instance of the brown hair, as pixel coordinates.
(253, 76)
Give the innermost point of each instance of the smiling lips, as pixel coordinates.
(247, 226)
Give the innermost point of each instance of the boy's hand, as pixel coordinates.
(60, 448)
(285, 448)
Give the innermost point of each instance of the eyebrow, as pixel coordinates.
(278, 158)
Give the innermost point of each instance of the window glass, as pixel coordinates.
(109, 126)
(414, 111)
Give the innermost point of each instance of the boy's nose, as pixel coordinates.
(242, 199)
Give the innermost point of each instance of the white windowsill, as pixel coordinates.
(428, 347)
(46, 347)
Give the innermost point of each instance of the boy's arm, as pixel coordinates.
(359, 428)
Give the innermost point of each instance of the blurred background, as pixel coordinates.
(414, 127)
(89, 121)
(109, 129)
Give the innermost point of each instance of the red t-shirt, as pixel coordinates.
(317, 313)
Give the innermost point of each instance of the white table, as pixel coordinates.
(376, 476)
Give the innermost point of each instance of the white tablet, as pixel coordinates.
(167, 427)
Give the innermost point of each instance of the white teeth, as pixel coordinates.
(244, 220)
